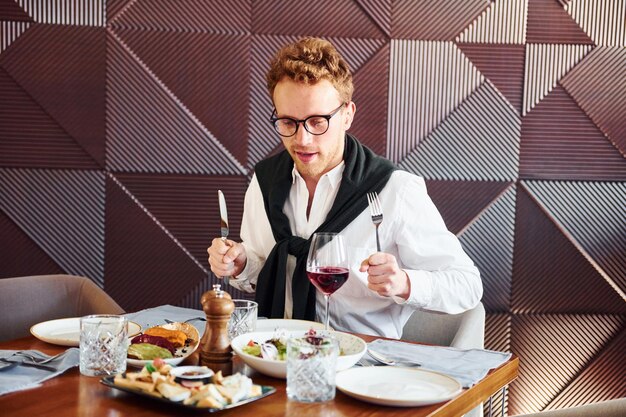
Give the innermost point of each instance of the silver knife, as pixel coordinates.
(223, 222)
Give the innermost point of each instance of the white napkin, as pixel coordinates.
(157, 315)
(468, 366)
(24, 377)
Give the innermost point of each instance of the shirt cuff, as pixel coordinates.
(421, 290)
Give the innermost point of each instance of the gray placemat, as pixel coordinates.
(23, 377)
(468, 366)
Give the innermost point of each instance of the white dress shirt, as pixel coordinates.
(443, 278)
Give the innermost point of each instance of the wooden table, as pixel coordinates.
(72, 394)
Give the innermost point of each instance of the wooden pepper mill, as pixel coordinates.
(215, 350)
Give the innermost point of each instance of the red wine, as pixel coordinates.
(328, 279)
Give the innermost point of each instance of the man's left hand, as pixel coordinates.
(385, 277)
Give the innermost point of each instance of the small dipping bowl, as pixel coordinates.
(187, 375)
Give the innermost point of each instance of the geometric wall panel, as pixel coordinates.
(549, 23)
(427, 81)
(63, 212)
(139, 253)
(460, 203)
(371, 89)
(27, 144)
(358, 52)
(380, 12)
(262, 137)
(504, 21)
(544, 258)
(555, 354)
(559, 141)
(598, 84)
(9, 31)
(509, 78)
(545, 65)
(72, 91)
(437, 21)
(479, 140)
(497, 337)
(329, 19)
(191, 67)
(20, 254)
(592, 215)
(115, 8)
(188, 207)
(489, 243)
(10, 10)
(175, 139)
(603, 20)
(66, 12)
(601, 380)
(231, 17)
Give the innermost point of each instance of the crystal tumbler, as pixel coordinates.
(103, 344)
(311, 367)
(243, 319)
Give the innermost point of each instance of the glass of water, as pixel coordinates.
(103, 344)
(243, 319)
(311, 368)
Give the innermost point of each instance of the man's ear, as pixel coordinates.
(348, 115)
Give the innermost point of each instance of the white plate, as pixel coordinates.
(270, 325)
(400, 387)
(66, 332)
(182, 352)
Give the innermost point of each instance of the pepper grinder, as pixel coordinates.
(215, 345)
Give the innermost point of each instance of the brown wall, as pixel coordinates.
(119, 120)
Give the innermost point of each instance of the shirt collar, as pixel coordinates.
(334, 175)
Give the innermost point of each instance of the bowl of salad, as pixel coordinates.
(266, 352)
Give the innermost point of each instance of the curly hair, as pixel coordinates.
(310, 60)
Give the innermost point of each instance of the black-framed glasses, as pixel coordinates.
(315, 125)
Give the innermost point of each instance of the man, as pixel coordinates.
(319, 183)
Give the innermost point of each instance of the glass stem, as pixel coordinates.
(327, 297)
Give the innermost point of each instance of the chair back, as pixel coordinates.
(28, 300)
(465, 330)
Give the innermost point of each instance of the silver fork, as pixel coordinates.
(377, 214)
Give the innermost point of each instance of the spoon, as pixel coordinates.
(388, 361)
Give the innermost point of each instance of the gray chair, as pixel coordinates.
(28, 300)
(609, 408)
(463, 331)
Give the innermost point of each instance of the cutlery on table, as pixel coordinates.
(37, 359)
(389, 361)
(223, 222)
(24, 363)
(377, 213)
(168, 321)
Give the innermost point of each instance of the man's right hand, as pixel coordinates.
(227, 258)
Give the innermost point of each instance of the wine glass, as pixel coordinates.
(327, 265)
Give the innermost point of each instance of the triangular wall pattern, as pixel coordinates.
(545, 65)
(489, 242)
(503, 22)
(427, 80)
(598, 84)
(589, 213)
(560, 142)
(176, 141)
(544, 258)
(63, 212)
(549, 23)
(479, 140)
